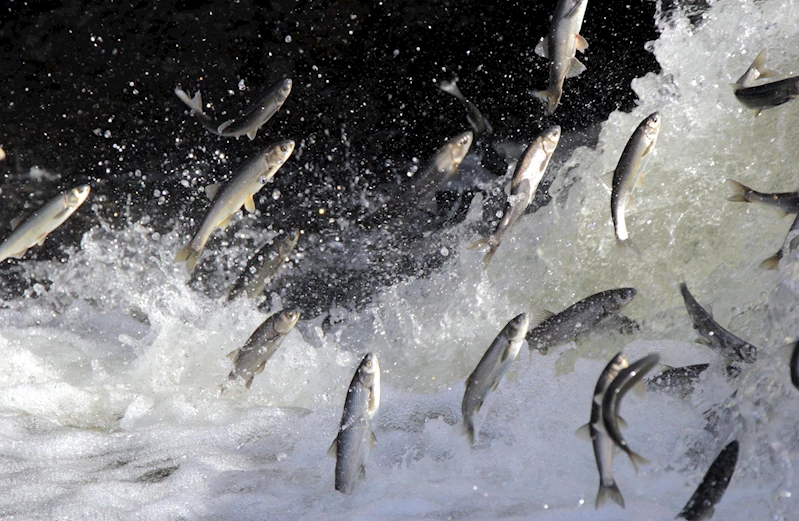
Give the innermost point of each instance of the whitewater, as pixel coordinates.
(112, 364)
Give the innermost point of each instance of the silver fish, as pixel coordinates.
(611, 401)
(577, 319)
(355, 434)
(628, 173)
(35, 229)
(764, 96)
(790, 243)
(236, 193)
(250, 359)
(492, 367)
(676, 380)
(476, 119)
(786, 202)
(713, 335)
(561, 46)
(710, 491)
(529, 171)
(253, 118)
(442, 168)
(262, 266)
(603, 445)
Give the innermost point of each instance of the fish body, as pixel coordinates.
(250, 359)
(473, 115)
(492, 367)
(262, 266)
(768, 95)
(710, 491)
(355, 434)
(253, 117)
(577, 319)
(442, 168)
(236, 193)
(628, 172)
(677, 380)
(611, 402)
(713, 335)
(787, 202)
(561, 46)
(36, 227)
(527, 175)
(603, 444)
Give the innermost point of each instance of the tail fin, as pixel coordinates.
(468, 430)
(490, 243)
(492, 249)
(738, 192)
(636, 459)
(772, 262)
(760, 66)
(451, 87)
(195, 103)
(627, 244)
(609, 491)
(548, 97)
(189, 255)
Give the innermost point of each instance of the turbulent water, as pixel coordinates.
(110, 404)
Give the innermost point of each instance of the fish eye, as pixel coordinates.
(369, 363)
(263, 179)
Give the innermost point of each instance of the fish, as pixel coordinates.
(262, 266)
(356, 436)
(628, 173)
(250, 359)
(473, 115)
(603, 444)
(576, 320)
(253, 117)
(237, 192)
(710, 491)
(786, 202)
(34, 229)
(561, 46)
(713, 335)
(611, 400)
(795, 365)
(790, 243)
(527, 175)
(492, 367)
(767, 95)
(677, 380)
(442, 168)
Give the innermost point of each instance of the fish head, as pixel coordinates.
(652, 125)
(76, 196)
(517, 328)
(287, 321)
(284, 90)
(621, 297)
(277, 155)
(459, 147)
(369, 376)
(550, 139)
(617, 364)
(748, 353)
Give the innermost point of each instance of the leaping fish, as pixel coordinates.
(767, 95)
(476, 119)
(253, 117)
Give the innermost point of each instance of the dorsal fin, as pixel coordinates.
(211, 190)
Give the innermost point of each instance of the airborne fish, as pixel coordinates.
(529, 171)
(236, 193)
(677, 380)
(253, 118)
(492, 367)
(767, 95)
(710, 491)
(476, 119)
(577, 319)
(35, 229)
(713, 335)
(611, 401)
(442, 168)
(262, 266)
(628, 173)
(787, 202)
(250, 359)
(561, 46)
(355, 434)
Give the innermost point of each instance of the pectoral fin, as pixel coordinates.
(333, 448)
(211, 191)
(584, 432)
(19, 254)
(249, 204)
(542, 49)
(582, 44)
(576, 68)
(373, 440)
(260, 368)
(251, 134)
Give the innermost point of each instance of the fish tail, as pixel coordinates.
(550, 98)
(189, 255)
(195, 103)
(739, 192)
(772, 262)
(627, 244)
(492, 249)
(609, 491)
(468, 430)
(451, 87)
(636, 459)
(760, 66)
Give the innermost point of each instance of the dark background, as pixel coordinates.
(88, 94)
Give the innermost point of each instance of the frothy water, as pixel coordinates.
(110, 404)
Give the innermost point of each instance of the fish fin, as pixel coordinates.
(260, 368)
(780, 213)
(636, 459)
(576, 68)
(40, 240)
(702, 341)
(584, 432)
(582, 44)
(738, 191)
(574, 8)
(195, 103)
(639, 183)
(540, 315)
(505, 355)
(232, 354)
(607, 179)
(211, 190)
(249, 380)
(760, 65)
(479, 406)
(549, 98)
(468, 430)
(249, 204)
(639, 388)
(609, 491)
(331, 451)
(771, 263)
(223, 126)
(479, 245)
(224, 222)
(373, 439)
(627, 244)
(451, 87)
(19, 254)
(251, 134)
(622, 422)
(542, 49)
(189, 255)
(362, 473)
(16, 222)
(757, 112)
(492, 249)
